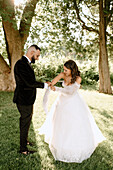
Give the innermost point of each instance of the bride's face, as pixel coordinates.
(67, 71)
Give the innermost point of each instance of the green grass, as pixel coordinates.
(101, 106)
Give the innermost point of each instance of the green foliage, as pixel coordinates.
(55, 27)
(111, 77)
(48, 70)
(89, 76)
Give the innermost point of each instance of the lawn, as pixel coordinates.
(101, 106)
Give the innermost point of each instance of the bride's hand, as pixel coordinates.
(52, 88)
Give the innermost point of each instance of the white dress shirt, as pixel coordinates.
(27, 59)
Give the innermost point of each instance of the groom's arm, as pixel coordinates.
(23, 75)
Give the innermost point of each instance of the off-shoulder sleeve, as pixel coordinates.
(68, 89)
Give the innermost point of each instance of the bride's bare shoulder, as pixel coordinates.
(78, 79)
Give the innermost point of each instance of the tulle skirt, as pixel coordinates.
(70, 129)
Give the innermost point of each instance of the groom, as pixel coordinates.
(25, 93)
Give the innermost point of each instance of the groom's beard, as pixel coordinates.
(33, 60)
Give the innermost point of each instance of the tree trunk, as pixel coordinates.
(104, 75)
(7, 82)
(4, 75)
(15, 39)
(14, 50)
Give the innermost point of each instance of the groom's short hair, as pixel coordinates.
(36, 47)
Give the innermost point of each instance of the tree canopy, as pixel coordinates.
(60, 26)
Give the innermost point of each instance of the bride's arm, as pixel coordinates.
(57, 78)
(68, 89)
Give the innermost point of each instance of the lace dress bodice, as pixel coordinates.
(71, 89)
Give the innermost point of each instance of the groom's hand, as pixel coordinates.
(49, 83)
(46, 85)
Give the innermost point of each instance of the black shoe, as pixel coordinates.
(27, 152)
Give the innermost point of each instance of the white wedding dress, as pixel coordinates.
(70, 129)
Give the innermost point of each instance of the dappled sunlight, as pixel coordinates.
(18, 2)
(101, 108)
(97, 100)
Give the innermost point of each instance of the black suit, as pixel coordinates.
(24, 96)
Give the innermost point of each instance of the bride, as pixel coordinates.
(70, 129)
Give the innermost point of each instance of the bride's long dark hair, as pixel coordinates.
(70, 64)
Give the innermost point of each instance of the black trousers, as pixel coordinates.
(26, 112)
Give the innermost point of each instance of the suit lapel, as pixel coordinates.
(30, 66)
(25, 60)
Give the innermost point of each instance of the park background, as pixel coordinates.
(63, 29)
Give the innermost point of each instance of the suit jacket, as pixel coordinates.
(26, 84)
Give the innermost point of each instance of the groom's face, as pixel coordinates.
(35, 56)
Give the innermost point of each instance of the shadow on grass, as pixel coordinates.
(104, 113)
(9, 135)
(89, 87)
(106, 118)
(93, 87)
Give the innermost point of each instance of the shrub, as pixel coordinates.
(89, 76)
(48, 68)
(111, 77)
